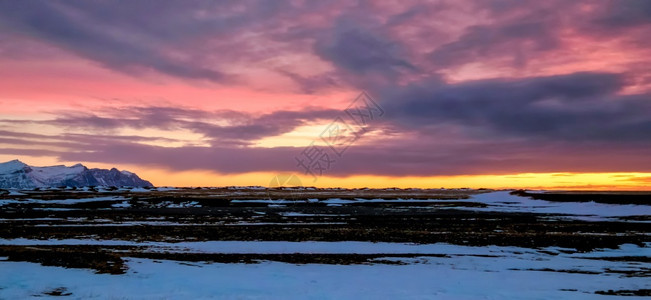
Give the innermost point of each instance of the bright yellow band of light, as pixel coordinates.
(556, 181)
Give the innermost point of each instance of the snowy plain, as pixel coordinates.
(423, 271)
(467, 273)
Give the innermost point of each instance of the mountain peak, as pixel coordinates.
(16, 174)
(12, 165)
(13, 162)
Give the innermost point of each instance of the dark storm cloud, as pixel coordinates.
(174, 37)
(359, 50)
(517, 40)
(134, 35)
(626, 13)
(580, 106)
(521, 31)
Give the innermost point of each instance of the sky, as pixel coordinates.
(496, 93)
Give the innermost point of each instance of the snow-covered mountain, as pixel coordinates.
(16, 174)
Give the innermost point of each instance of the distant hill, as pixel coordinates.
(16, 174)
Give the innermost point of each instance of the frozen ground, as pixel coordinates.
(464, 273)
(505, 202)
(250, 243)
(315, 247)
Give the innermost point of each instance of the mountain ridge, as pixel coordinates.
(16, 174)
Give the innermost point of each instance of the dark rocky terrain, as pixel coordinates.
(56, 222)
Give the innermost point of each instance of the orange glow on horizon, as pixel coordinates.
(548, 181)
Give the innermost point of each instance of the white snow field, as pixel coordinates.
(419, 271)
(345, 247)
(505, 202)
(467, 273)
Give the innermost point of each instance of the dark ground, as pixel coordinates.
(219, 214)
